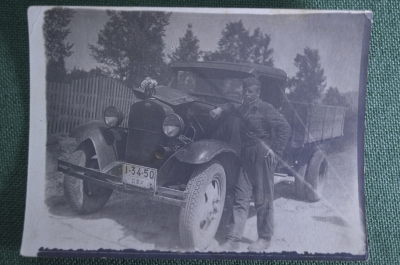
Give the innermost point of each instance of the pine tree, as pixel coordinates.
(259, 52)
(238, 45)
(334, 98)
(309, 82)
(188, 50)
(130, 46)
(55, 31)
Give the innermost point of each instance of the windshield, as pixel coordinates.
(222, 85)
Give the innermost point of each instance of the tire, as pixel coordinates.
(315, 176)
(82, 196)
(299, 185)
(200, 217)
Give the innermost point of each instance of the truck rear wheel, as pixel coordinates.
(200, 217)
(315, 176)
(310, 178)
(299, 182)
(82, 196)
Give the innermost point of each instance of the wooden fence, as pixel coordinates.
(69, 105)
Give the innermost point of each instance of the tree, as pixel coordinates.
(55, 31)
(334, 98)
(77, 73)
(260, 54)
(238, 45)
(130, 46)
(309, 82)
(188, 50)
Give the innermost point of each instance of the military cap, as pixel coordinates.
(250, 81)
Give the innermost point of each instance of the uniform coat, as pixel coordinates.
(262, 128)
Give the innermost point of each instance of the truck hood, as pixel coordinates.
(169, 95)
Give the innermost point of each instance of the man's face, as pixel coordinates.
(250, 94)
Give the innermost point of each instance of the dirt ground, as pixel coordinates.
(332, 225)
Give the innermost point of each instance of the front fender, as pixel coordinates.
(202, 151)
(85, 129)
(179, 166)
(106, 141)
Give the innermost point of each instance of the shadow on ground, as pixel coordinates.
(146, 221)
(150, 222)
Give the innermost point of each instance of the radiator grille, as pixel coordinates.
(145, 132)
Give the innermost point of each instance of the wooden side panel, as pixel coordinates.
(312, 122)
(296, 115)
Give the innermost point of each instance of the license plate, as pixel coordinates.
(139, 176)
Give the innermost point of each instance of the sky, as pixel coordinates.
(338, 38)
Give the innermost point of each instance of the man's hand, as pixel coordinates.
(215, 113)
(271, 154)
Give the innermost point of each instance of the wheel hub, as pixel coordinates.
(212, 203)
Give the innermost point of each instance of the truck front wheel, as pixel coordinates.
(82, 196)
(201, 215)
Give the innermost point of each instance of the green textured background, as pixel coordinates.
(382, 125)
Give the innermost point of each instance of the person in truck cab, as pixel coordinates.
(264, 133)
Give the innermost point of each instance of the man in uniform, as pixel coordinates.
(263, 133)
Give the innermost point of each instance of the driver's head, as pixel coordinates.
(251, 89)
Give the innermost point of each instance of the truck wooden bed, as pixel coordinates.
(312, 123)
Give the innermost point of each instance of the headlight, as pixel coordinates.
(173, 125)
(113, 116)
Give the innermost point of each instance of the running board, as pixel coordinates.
(280, 177)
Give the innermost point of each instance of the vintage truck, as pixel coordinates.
(173, 152)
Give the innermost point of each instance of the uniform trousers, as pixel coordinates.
(255, 180)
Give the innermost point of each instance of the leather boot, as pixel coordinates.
(229, 245)
(259, 245)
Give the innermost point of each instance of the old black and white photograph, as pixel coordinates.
(197, 133)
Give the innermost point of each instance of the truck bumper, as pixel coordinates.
(114, 181)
